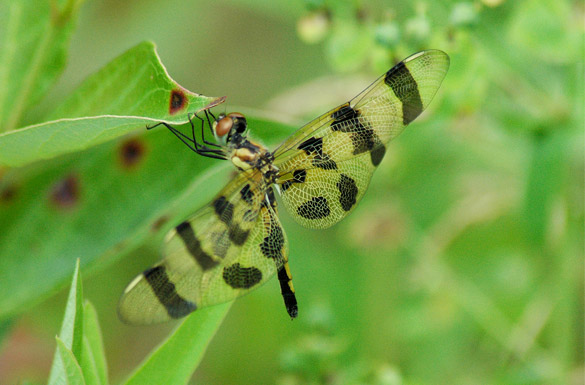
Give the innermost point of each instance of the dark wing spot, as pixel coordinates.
(286, 184)
(270, 197)
(314, 147)
(225, 212)
(223, 209)
(325, 162)
(65, 193)
(343, 114)
(364, 139)
(185, 231)
(240, 277)
(131, 153)
(247, 194)
(177, 101)
(299, 176)
(348, 192)
(166, 293)
(350, 120)
(272, 245)
(405, 88)
(377, 154)
(316, 208)
(237, 235)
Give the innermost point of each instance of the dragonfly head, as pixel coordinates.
(230, 126)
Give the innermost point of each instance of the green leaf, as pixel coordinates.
(34, 36)
(93, 361)
(70, 372)
(71, 335)
(98, 205)
(174, 361)
(5, 328)
(130, 92)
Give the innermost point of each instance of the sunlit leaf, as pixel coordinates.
(93, 360)
(70, 371)
(127, 94)
(181, 353)
(70, 339)
(34, 37)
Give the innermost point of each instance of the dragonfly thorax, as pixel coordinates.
(246, 154)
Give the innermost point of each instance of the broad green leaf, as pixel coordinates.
(71, 335)
(130, 92)
(70, 372)
(134, 84)
(93, 361)
(175, 360)
(47, 140)
(34, 36)
(97, 205)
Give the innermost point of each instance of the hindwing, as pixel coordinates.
(231, 246)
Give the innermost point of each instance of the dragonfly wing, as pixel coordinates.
(215, 256)
(326, 166)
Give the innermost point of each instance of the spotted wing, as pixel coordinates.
(325, 167)
(223, 251)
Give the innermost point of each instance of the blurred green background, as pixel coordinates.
(463, 264)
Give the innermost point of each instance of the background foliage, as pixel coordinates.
(462, 265)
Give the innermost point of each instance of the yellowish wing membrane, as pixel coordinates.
(326, 167)
(204, 258)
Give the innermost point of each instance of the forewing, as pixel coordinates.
(326, 167)
(213, 257)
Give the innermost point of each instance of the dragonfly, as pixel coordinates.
(236, 243)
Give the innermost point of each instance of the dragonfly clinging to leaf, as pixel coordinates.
(236, 243)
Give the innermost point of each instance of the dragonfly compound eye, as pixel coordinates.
(240, 123)
(223, 126)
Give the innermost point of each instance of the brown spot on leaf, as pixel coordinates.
(120, 247)
(7, 193)
(65, 193)
(159, 223)
(177, 102)
(131, 153)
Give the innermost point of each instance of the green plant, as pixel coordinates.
(80, 359)
(463, 263)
